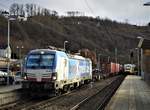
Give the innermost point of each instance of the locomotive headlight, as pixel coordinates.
(25, 77)
(54, 76)
(42, 52)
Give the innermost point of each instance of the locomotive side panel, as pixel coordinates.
(73, 69)
(85, 69)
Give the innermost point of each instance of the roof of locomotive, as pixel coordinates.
(46, 51)
(39, 51)
(76, 56)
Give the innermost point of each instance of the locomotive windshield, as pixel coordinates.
(40, 61)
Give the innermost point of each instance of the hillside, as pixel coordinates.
(102, 35)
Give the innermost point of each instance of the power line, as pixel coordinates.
(109, 35)
(88, 6)
(105, 27)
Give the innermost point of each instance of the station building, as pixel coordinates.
(4, 49)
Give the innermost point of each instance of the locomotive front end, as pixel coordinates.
(40, 72)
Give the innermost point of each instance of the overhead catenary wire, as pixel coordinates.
(105, 27)
(91, 10)
(89, 7)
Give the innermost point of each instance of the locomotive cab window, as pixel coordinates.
(42, 61)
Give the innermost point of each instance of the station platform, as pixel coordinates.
(9, 88)
(133, 94)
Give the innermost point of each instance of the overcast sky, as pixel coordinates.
(119, 10)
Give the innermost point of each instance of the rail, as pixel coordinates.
(99, 100)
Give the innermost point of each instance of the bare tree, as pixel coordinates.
(54, 13)
(35, 9)
(21, 10)
(28, 9)
(1, 12)
(14, 9)
(39, 10)
(45, 12)
(31, 9)
(75, 13)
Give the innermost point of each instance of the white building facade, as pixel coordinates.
(5, 52)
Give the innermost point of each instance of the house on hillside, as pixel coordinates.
(4, 49)
(145, 59)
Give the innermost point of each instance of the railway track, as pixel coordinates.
(31, 103)
(25, 102)
(99, 100)
(71, 100)
(67, 101)
(46, 103)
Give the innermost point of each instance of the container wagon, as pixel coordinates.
(53, 71)
(107, 70)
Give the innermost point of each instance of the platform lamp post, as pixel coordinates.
(7, 15)
(18, 52)
(65, 42)
(19, 49)
(8, 52)
(98, 62)
(21, 61)
(147, 4)
(21, 55)
(9, 18)
(116, 55)
(137, 57)
(108, 59)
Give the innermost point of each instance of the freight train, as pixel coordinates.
(55, 71)
(107, 69)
